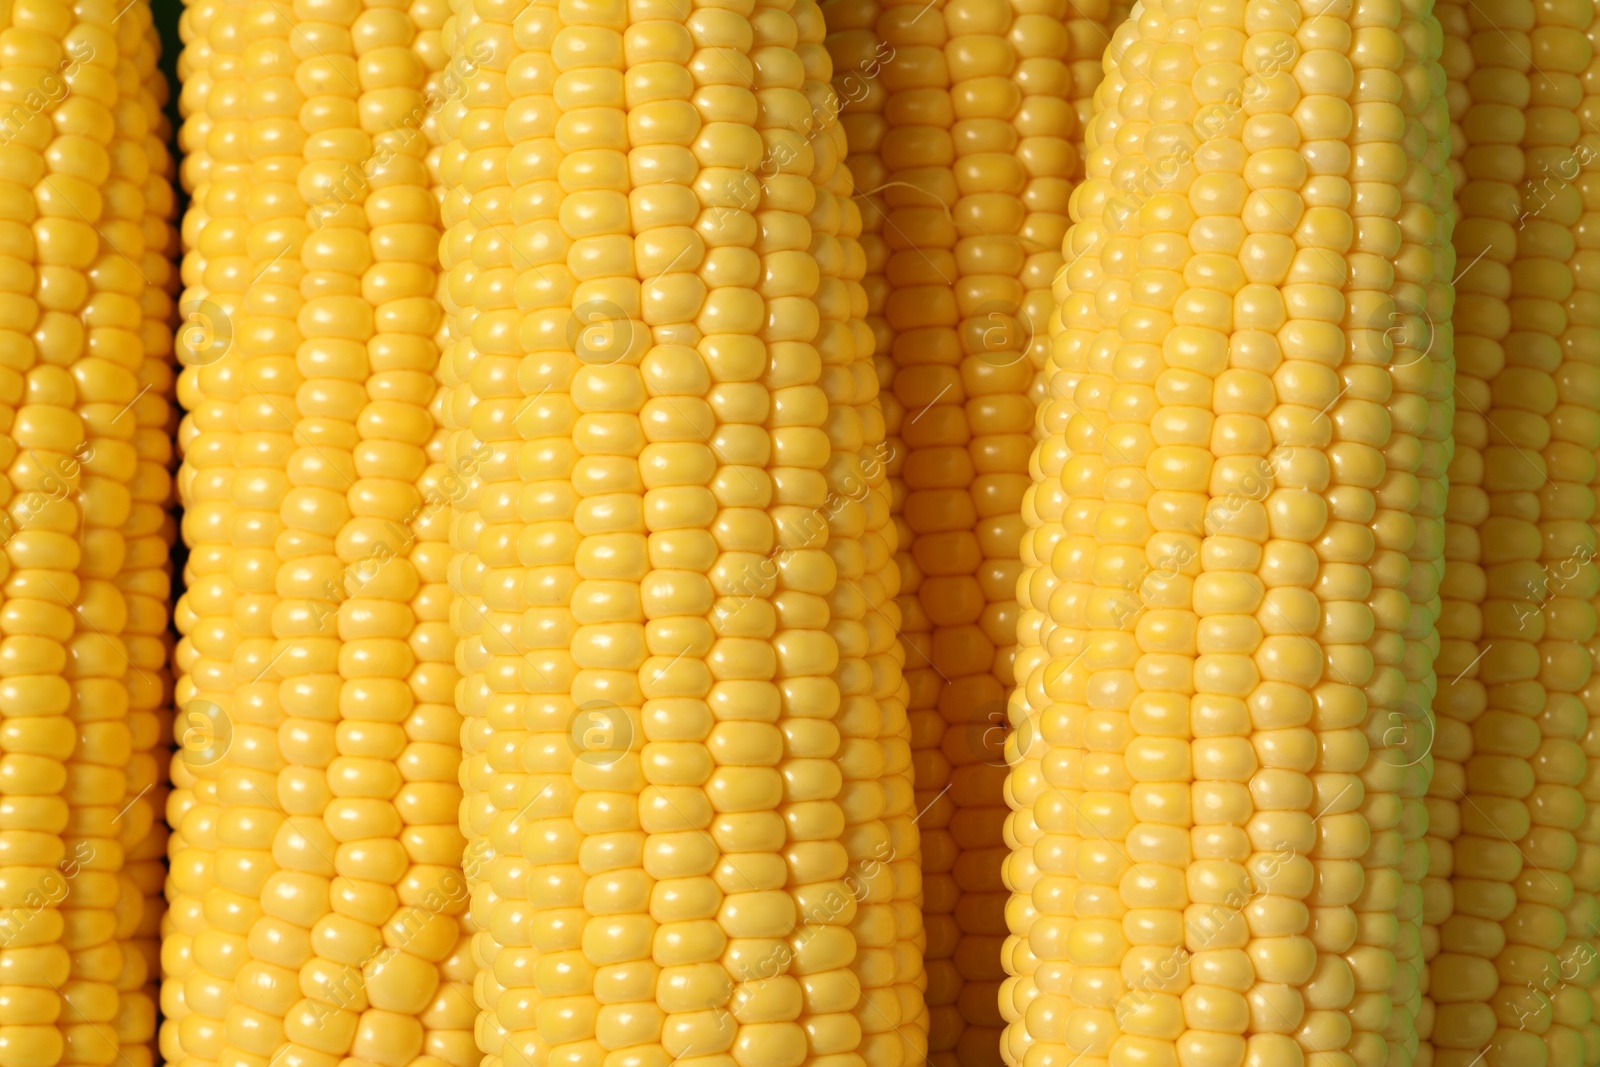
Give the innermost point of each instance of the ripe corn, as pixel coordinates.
(488, 780)
(1039, 867)
(196, 957)
(448, 1021)
(858, 56)
(882, 841)
(145, 579)
(962, 131)
(1059, 48)
(1041, 635)
(1515, 930)
(316, 882)
(92, 304)
(685, 716)
(76, 159)
(1220, 856)
(1450, 741)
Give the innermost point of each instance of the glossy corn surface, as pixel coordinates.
(1519, 558)
(1040, 633)
(315, 860)
(83, 656)
(146, 577)
(963, 121)
(1230, 606)
(687, 759)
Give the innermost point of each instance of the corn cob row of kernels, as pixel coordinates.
(1369, 920)
(92, 321)
(1573, 1003)
(1145, 1014)
(268, 890)
(363, 906)
(89, 330)
(1449, 740)
(845, 1015)
(1423, 345)
(507, 801)
(1573, 1034)
(96, 180)
(950, 698)
(1035, 868)
(453, 1013)
(860, 57)
(374, 974)
(1513, 842)
(1058, 48)
(193, 69)
(199, 962)
(43, 456)
(1414, 231)
(881, 846)
(1426, 346)
(635, 633)
(450, 1018)
(459, 224)
(146, 578)
(810, 547)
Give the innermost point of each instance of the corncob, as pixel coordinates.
(668, 488)
(1521, 556)
(196, 957)
(881, 839)
(146, 576)
(70, 87)
(1040, 634)
(1450, 741)
(965, 235)
(448, 1022)
(324, 923)
(1197, 879)
(493, 781)
(94, 190)
(858, 56)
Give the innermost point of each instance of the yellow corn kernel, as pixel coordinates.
(1520, 557)
(1219, 854)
